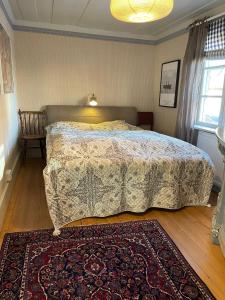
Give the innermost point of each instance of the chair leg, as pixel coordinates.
(44, 145)
(42, 148)
(24, 150)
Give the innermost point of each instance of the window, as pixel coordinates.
(212, 102)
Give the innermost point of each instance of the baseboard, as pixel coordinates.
(6, 194)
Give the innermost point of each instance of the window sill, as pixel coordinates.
(206, 129)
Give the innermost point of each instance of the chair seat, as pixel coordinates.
(33, 137)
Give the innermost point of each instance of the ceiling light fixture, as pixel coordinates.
(140, 11)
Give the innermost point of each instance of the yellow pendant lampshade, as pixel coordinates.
(140, 11)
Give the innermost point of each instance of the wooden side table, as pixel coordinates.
(146, 119)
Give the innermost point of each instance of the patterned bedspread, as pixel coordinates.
(96, 172)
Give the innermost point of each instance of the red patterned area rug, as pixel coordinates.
(134, 260)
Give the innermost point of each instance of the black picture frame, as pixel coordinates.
(169, 83)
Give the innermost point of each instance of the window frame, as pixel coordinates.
(221, 121)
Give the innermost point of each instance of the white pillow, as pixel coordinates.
(107, 126)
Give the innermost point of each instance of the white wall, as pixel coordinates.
(55, 69)
(165, 118)
(8, 129)
(64, 70)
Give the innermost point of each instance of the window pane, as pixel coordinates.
(210, 110)
(215, 63)
(213, 82)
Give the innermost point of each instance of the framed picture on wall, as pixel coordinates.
(6, 76)
(169, 84)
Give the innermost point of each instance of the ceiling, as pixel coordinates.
(93, 17)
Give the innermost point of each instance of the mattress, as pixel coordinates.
(96, 171)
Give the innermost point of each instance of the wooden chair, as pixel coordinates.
(32, 124)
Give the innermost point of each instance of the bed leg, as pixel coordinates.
(56, 232)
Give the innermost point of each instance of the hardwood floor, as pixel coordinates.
(189, 228)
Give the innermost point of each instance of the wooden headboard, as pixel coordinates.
(88, 114)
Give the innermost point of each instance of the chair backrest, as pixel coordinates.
(32, 123)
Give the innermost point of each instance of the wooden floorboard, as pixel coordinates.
(189, 227)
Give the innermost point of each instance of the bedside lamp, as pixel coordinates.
(92, 101)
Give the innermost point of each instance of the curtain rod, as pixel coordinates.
(216, 16)
(206, 19)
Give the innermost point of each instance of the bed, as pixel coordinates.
(97, 170)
